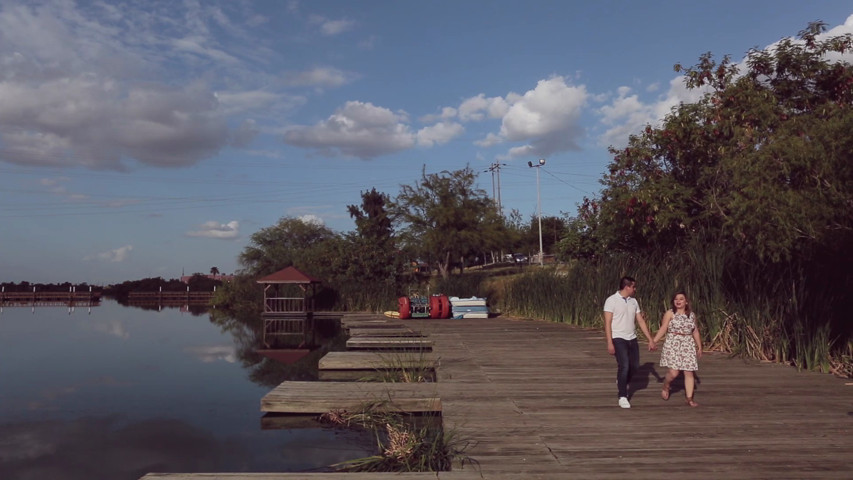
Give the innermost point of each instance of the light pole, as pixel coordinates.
(538, 206)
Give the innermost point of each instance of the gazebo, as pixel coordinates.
(288, 317)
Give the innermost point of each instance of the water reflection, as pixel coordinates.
(124, 391)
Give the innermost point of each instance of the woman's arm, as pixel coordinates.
(664, 324)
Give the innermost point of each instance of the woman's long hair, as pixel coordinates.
(687, 310)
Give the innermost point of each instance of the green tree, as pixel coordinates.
(373, 258)
(445, 218)
(761, 163)
(291, 241)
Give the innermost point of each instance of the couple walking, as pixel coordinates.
(681, 349)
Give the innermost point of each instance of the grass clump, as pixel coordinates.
(404, 367)
(405, 442)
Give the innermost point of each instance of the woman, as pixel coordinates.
(682, 348)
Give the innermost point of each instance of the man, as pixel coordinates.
(621, 310)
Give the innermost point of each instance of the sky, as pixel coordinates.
(150, 138)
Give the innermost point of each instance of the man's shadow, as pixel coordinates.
(642, 379)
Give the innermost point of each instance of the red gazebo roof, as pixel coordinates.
(289, 275)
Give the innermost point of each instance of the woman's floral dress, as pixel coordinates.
(679, 348)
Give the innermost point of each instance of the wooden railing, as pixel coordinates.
(276, 305)
(21, 299)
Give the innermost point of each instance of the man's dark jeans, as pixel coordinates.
(627, 362)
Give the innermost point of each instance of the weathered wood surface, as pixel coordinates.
(384, 332)
(539, 402)
(322, 397)
(540, 399)
(375, 360)
(349, 324)
(389, 343)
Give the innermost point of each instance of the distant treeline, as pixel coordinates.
(47, 287)
(197, 283)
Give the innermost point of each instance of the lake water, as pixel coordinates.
(115, 392)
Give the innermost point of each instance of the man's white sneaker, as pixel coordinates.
(624, 403)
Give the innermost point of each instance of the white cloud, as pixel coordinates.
(439, 133)
(447, 113)
(547, 118)
(321, 77)
(331, 27)
(96, 86)
(117, 255)
(310, 219)
(357, 129)
(491, 140)
(479, 107)
(239, 102)
(213, 229)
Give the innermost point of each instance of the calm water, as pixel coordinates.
(122, 391)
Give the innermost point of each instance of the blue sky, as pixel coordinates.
(146, 138)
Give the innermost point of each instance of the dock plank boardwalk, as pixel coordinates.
(322, 397)
(360, 365)
(538, 400)
(375, 360)
(389, 343)
(384, 332)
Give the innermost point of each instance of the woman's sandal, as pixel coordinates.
(664, 394)
(690, 402)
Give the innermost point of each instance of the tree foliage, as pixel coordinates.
(291, 241)
(761, 163)
(444, 217)
(373, 261)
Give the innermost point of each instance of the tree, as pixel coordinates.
(445, 218)
(373, 253)
(291, 241)
(761, 164)
(214, 271)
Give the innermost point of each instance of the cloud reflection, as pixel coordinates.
(210, 354)
(110, 448)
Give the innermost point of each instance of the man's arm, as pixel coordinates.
(641, 321)
(608, 332)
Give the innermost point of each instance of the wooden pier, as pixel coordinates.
(358, 365)
(322, 397)
(50, 299)
(383, 332)
(389, 343)
(538, 401)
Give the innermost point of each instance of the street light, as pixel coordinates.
(538, 206)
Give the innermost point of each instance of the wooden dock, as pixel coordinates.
(538, 401)
(390, 343)
(50, 299)
(359, 365)
(383, 332)
(375, 360)
(322, 397)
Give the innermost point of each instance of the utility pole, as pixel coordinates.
(495, 168)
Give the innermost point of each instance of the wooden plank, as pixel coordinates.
(379, 343)
(350, 324)
(383, 332)
(321, 397)
(376, 360)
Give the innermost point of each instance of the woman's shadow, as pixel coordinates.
(642, 379)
